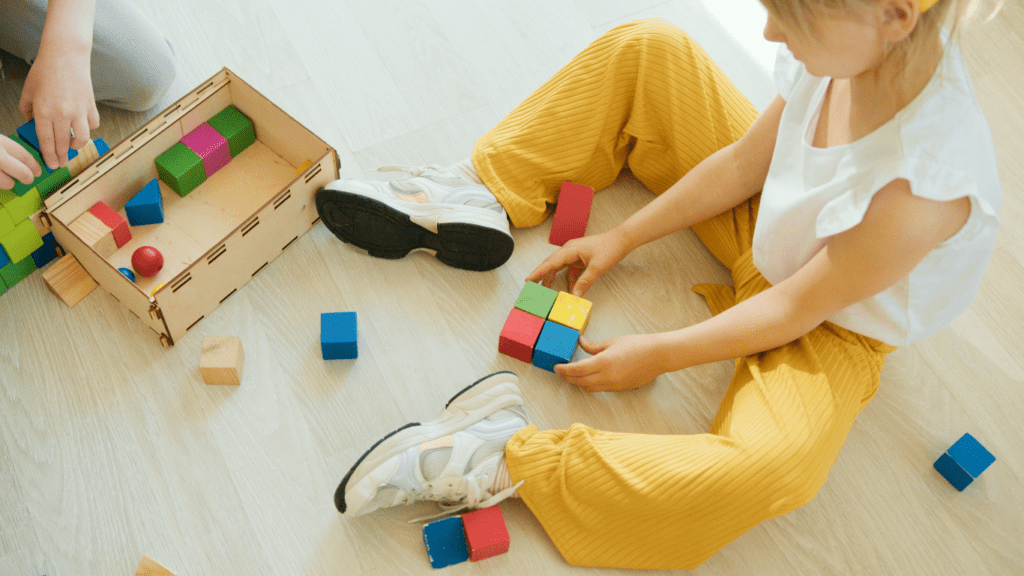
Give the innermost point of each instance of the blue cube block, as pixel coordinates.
(146, 207)
(338, 336)
(4, 258)
(953, 472)
(47, 252)
(555, 346)
(27, 132)
(971, 455)
(446, 542)
(101, 146)
(71, 154)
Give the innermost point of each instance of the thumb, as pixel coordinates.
(585, 280)
(594, 348)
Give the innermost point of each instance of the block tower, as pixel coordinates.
(205, 150)
(544, 326)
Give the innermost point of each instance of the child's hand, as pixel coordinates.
(58, 95)
(16, 163)
(619, 364)
(587, 259)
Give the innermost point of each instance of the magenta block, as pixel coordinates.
(210, 146)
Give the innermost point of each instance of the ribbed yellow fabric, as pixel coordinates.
(647, 93)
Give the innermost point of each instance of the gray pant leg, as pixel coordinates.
(132, 63)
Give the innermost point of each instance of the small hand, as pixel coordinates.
(619, 364)
(58, 95)
(586, 258)
(16, 164)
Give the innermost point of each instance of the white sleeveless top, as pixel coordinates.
(940, 143)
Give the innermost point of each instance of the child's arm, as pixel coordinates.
(58, 91)
(720, 182)
(897, 232)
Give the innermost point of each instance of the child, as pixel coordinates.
(81, 52)
(872, 182)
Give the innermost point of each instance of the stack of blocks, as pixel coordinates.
(474, 536)
(26, 243)
(544, 326)
(102, 229)
(338, 336)
(964, 461)
(204, 150)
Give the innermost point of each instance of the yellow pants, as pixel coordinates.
(646, 93)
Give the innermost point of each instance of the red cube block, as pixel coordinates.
(122, 233)
(486, 533)
(571, 213)
(520, 334)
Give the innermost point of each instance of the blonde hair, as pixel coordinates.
(800, 15)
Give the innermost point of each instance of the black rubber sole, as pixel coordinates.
(339, 494)
(385, 232)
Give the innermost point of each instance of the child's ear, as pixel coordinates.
(899, 19)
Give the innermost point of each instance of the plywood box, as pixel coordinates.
(225, 231)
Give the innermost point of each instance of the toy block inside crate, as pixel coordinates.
(235, 127)
(117, 223)
(146, 207)
(95, 233)
(222, 233)
(210, 146)
(181, 169)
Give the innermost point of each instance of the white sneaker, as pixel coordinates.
(435, 209)
(453, 459)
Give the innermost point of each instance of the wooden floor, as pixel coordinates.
(111, 447)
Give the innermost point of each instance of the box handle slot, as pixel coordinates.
(312, 173)
(250, 225)
(217, 254)
(292, 241)
(228, 296)
(260, 268)
(177, 285)
(280, 200)
(194, 323)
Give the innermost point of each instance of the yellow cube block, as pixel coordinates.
(570, 311)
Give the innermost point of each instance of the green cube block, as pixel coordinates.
(17, 271)
(236, 127)
(19, 188)
(536, 299)
(7, 196)
(54, 180)
(6, 222)
(3, 286)
(24, 206)
(181, 169)
(22, 242)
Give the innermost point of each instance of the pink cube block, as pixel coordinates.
(210, 146)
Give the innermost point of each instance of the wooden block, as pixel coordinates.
(15, 272)
(181, 169)
(117, 223)
(47, 252)
(571, 213)
(519, 335)
(302, 167)
(150, 567)
(338, 336)
(22, 241)
(86, 156)
(446, 542)
(210, 145)
(221, 360)
(68, 280)
(146, 207)
(95, 233)
(556, 345)
(236, 127)
(486, 533)
(965, 460)
(571, 311)
(536, 299)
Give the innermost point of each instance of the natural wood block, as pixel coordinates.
(94, 232)
(221, 360)
(68, 280)
(150, 567)
(86, 155)
(116, 222)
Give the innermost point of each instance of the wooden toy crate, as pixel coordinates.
(221, 234)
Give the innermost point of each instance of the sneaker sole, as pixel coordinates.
(458, 414)
(386, 231)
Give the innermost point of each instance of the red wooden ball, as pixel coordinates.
(147, 261)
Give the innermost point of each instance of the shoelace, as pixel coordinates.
(467, 484)
(415, 171)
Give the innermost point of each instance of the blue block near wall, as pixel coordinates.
(27, 132)
(338, 336)
(146, 207)
(446, 542)
(555, 346)
(4, 258)
(47, 252)
(101, 146)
